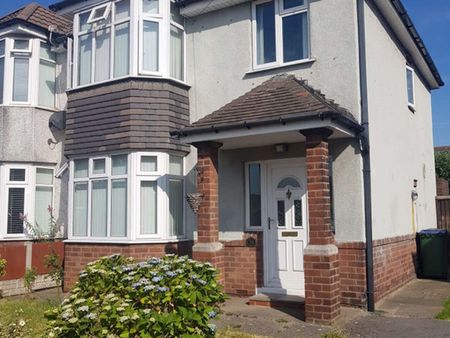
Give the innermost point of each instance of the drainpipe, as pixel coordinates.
(365, 153)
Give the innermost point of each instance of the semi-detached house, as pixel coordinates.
(288, 142)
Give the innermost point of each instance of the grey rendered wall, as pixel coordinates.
(401, 141)
(219, 56)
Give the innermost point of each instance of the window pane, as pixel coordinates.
(17, 175)
(44, 199)
(265, 33)
(176, 165)
(84, 59)
(119, 164)
(122, 10)
(122, 50)
(176, 52)
(99, 12)
(119, 208)
(150, 48)
(176, 202)
(2, 47)
(81, 168)
(254, 174)
(295, 37)
(99, 166)
(44, 176)
(46, 53)
(80, 209)
(298, 213)
(20, 86)
(16, 201)
(293, 3)
(281, 214)
(102, 54)
(2, 77)
(150, 6)
(47, 74)
(21, 44)
(83, 18)
(148, 163)
(148, 207)
(99, 207)
(410, 84)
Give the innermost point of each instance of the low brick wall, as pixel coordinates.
(394, 266)
(244, 265)
(78, 255)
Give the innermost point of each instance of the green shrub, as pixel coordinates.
(29, 278)
(115, 297)
(2, 267)
(53, 263)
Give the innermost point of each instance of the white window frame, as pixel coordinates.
(29, 184)
(176, 24)
(411, 105)
(29, 100)
(25, 51)
(39, 75)
(183, 182)
(112, 26)
(280, 13)
(3, 56)
(36, 185)
(92, 19)
(247, 195)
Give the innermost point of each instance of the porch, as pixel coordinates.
(263, 174)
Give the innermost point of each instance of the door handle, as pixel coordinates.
(269, 222)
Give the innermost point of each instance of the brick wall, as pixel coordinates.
(78, 255)
(244, 265)
(394, 266)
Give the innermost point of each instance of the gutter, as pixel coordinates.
(334, 116)
(365, 154)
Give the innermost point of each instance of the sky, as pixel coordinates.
(432, 20)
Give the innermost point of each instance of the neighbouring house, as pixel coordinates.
(32, 98)
(238, 132)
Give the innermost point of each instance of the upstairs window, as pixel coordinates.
(2, 68)
(20, 54)
(280, 32)
(103, 42)
(47, 75)
(410, 86)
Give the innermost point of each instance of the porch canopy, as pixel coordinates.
(273, 112)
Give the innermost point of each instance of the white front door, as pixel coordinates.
(286, 230)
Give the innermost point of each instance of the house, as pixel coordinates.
(287, 142)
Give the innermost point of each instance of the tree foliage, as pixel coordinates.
(442, 160)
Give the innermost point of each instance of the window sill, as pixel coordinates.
(127, 241)
(284, 65)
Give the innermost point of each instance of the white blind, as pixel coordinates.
(148, 207)
(176, 53)
(99, 207)
(47, 73)
(84, 59)
(80, 206)
(102, 54)
(43, 199)
(150, 46)
(176, 207)
(122, 50)
(20, 81)
(119, 208)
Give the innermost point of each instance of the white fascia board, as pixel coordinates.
(202, 7)
(21, 29)
(261, 130)
(395, 22)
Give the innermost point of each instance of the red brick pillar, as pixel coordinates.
(208, 248)
(322, 287)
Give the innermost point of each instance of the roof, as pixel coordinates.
(442, 148)
(283, 98)
(38, 16)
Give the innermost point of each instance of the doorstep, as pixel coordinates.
(276, 300)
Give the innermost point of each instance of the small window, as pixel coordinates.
(288, 181)
(119, 164)
(281, 213)
(21, 46)
(176, 165)
(150, 6)
(99, 166)
(81, 168)
(99, 13)
(149, 164)
(17, 175)
(254, 194)
(410, 85)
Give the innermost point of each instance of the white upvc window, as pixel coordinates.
(47, 76)
(280, 32)
(2, 68)
(410, 87)
(21, 53)
(102, 43)
(27, 190)
(151, 30)
(177, 41)
(253, 195)
(142, 201)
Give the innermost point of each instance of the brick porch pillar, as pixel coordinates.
(208, 248)
(322, 287)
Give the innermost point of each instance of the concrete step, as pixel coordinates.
(277, 300)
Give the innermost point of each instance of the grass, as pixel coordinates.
(445, 313)
(33, 312)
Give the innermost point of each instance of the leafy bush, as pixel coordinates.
(2, 267)
(53, 263)
(30, 277)
(162, 297)
(442, 162)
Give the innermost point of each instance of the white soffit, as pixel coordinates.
(202, 7)
(395, 22)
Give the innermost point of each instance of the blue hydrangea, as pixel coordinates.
(212, 314)
(171, 273)
(162, 289)
(157, 279)
(149, 288)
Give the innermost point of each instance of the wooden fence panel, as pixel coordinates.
(443, 212)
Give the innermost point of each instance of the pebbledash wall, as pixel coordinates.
(22, 255)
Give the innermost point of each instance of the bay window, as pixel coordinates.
(113, 37)
(138, 196)
(47, 76)
(280, 32)
(25, 190)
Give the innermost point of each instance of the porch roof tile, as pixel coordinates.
(283, 97)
